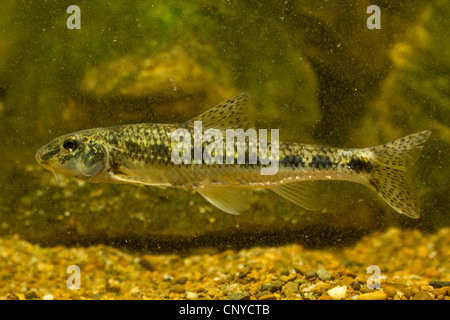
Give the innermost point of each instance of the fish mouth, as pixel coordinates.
(45, 164)
(38, 157)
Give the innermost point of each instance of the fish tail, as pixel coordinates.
(389, 174)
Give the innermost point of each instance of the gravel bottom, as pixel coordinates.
(412, 266)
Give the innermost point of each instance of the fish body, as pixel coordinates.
(143, 154)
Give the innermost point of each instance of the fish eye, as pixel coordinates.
(70, 145)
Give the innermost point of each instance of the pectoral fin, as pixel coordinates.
(304, 194)
(230, 200)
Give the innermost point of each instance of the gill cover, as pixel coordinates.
(94, 159)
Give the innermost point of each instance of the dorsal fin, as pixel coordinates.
(226, 115)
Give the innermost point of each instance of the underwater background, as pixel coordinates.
(314, 70)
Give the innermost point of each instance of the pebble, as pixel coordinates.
(177, 288)
(273, 287)
(291, 289)
(238, 296)
(263, 293)
(147, 262)
(422, 295)
(338, 293)
(347, 281)
(181, 280)
(310, 274)
(439, 284)
(29, 295)
(437, 292)
(309, 296)
(377, 295)
(324, 297)
(48, 297)
(268, 297)
(324, 275)
(191, 295)
(321, 288)
(390, 291)
(407, 292)
(365, 289)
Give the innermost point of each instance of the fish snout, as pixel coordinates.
(38, 156)
(44, 154)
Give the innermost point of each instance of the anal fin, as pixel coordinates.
(304, 194)
(230, 200)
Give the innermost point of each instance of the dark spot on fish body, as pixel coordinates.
(161, 149)
(132, 146)
(292, 161)
(359, 165)
(114, 164)
(321, 162)
(112, 139)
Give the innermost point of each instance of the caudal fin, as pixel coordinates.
(389, 173)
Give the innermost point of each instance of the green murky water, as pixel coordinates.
(314, 70)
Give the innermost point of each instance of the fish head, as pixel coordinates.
(77, 155)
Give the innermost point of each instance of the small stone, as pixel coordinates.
(291, 289)
(268, 297)
(309, 296)
(263, 293)
(299, 271)
(191, 295)
(238, 296)
(440, 291)
(356, 286)
(292, 276)
(377, 295)
(48, 297)
(178, 288)
(181, 280)
(422, 295)
(338, 293)
(347, 281)
(365, 289)
(324, 275)
(284, 272)
(321, 288)
(273, 286)
(310, 274)
(147, 262)
(439, 284)
(12, 296)
(390, 291)
(407, 292)
(31, 294)
(113, 285)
